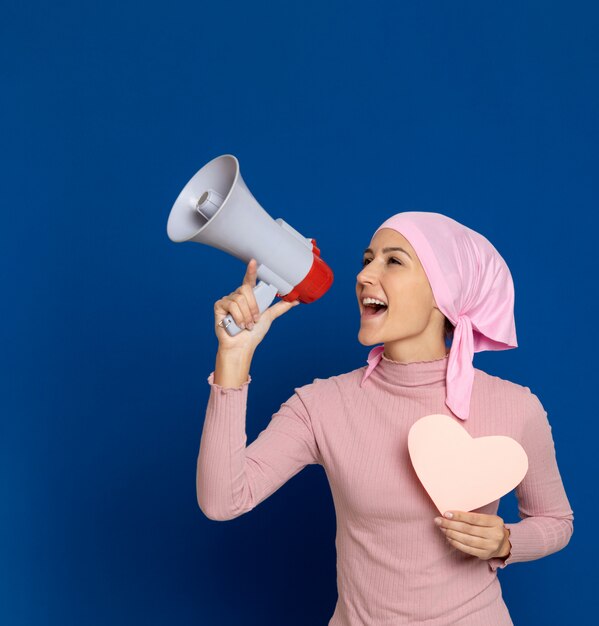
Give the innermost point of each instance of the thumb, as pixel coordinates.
(282, 307)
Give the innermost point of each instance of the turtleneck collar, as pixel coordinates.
(415, 374)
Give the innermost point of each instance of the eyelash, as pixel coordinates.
(391, 259)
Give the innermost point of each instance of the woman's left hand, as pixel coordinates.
(479, 534)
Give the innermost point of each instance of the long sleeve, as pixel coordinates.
(547, 518)
(232, 479)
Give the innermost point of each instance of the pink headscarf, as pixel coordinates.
(472, 286)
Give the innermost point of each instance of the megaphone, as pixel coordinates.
(217, 209)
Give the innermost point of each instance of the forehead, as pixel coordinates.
(389, 237)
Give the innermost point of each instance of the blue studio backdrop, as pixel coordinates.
(341, 114)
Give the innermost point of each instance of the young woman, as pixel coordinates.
(425, 278)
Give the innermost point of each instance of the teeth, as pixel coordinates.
(372, 301)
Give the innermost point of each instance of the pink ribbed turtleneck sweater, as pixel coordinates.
(394, 566)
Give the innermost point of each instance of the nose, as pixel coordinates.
(365, 276)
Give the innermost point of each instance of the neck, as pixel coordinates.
(406, 354)
(420, 373)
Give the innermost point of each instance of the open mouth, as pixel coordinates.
(370, 311)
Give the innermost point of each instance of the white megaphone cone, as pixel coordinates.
(217, 209)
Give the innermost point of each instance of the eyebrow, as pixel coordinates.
(396, 248)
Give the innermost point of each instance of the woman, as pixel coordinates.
(398, 560)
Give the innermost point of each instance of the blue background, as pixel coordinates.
(341, 114)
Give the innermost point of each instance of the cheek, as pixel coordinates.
(412, 301)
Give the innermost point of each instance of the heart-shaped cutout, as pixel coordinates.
(460, 472)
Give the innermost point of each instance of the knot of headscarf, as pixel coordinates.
(460, 371)
(473, 288)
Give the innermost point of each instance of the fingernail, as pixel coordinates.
(256, 318)
(250, 326)
(448, 514)
(242, 325)
(438, 521)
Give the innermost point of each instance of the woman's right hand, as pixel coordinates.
(243, 308)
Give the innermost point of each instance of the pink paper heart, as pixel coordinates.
(461, 472)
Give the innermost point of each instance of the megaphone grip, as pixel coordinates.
(264, 294)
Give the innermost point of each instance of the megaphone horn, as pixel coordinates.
(217, 209)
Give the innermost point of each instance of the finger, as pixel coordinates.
(482, 543)
(466, 548)
(222, 308)
(463, 527)
(251, 273)
(248, 291)
(232, 308)
(241, 301)
(479, 519)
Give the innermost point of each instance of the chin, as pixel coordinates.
(366, 338)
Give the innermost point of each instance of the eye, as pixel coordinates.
(366, 261)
